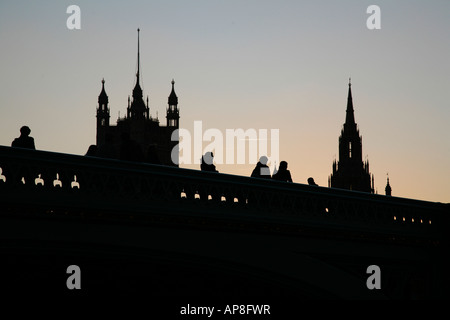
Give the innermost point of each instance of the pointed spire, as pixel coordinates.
(350, 117)
(103, 97)
(138, 60)
(137, 108)
(173, 99)
(388, 188)
(137, 91)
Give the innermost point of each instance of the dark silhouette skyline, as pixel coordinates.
(389, 92)
(154, 140)
(350, 172)
(160, 231)
(139, 137)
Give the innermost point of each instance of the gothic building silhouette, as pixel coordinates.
(351, 172)
(138, 136)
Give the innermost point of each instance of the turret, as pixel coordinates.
(172, 113)
(388, 188)
(102, 114)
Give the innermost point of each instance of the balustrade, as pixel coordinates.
(55, 181)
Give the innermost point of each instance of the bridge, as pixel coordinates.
(167, 231)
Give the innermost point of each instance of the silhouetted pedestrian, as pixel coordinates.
(283, 174)
(24, 141)
(207, 162)
(311, 182)
(261, 170)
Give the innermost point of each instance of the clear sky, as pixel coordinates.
(243, 64)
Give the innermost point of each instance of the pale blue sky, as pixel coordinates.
(243, 64)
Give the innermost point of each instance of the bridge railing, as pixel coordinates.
(40, 181)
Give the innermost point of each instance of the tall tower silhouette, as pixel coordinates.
(151, 142)
(350, 172)
(173, 121)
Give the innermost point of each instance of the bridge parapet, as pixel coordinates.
(69, 185)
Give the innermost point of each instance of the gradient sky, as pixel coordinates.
(243, 64)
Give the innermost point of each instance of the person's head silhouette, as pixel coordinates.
(25, 131)
(263, 160)
(311, 182)
(283, 165)
(208, 157)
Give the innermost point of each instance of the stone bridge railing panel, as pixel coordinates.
(39, 180)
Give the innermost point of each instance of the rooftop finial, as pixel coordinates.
(388, 188)
(349, 81)
(103, 97)
(137, 74)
